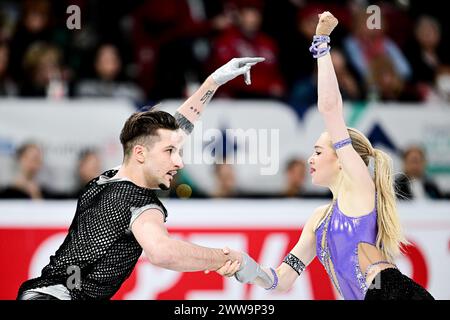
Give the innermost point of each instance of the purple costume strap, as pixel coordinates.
(342, 143)
(314, 48)
(275, 280)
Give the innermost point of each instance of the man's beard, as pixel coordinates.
(163, 187)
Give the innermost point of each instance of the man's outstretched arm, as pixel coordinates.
(173, 254)
(190, 111)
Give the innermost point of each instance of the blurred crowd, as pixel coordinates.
(29, 164)
(411, 184)
(149, 50)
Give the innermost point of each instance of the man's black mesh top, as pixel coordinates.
(99, 241)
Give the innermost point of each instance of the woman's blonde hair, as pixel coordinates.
(390, 235)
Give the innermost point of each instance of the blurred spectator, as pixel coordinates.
(89, 167)
(442, 84)
(426, 53)
(304, 93)
(414, 184)
(425, 50)
(295, 58)
(25, 184)
(34, 26)
(45, 75)
(295, 178)
(397, 22)
(109, 79)
(245, 38)
(296, 62)
(364, 45)
(296, 171)
(387, 84)
(164, 34)
(7, 85)
(225, 179)
(349, 86)
(9, 12)
(293, 24)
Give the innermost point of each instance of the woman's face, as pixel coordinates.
(324, 163)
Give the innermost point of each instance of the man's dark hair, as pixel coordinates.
(140, 126)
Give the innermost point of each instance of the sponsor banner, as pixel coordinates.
(391, 127)
(267, 229)
(257, 137)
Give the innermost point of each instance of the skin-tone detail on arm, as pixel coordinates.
(184, 123)
(331, 107)
(193, 107)
(305, 250)
(168, 253)
(208, 95)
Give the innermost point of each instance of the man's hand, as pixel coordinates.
(232, 265)
(246, 271)
(235, 67)
(229, 268)
(327, 22)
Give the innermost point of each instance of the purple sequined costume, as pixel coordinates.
(342, 239)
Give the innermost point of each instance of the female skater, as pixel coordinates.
(358, 235)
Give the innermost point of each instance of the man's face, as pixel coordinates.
(163, 159)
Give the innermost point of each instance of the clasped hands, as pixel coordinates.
(244, 268)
